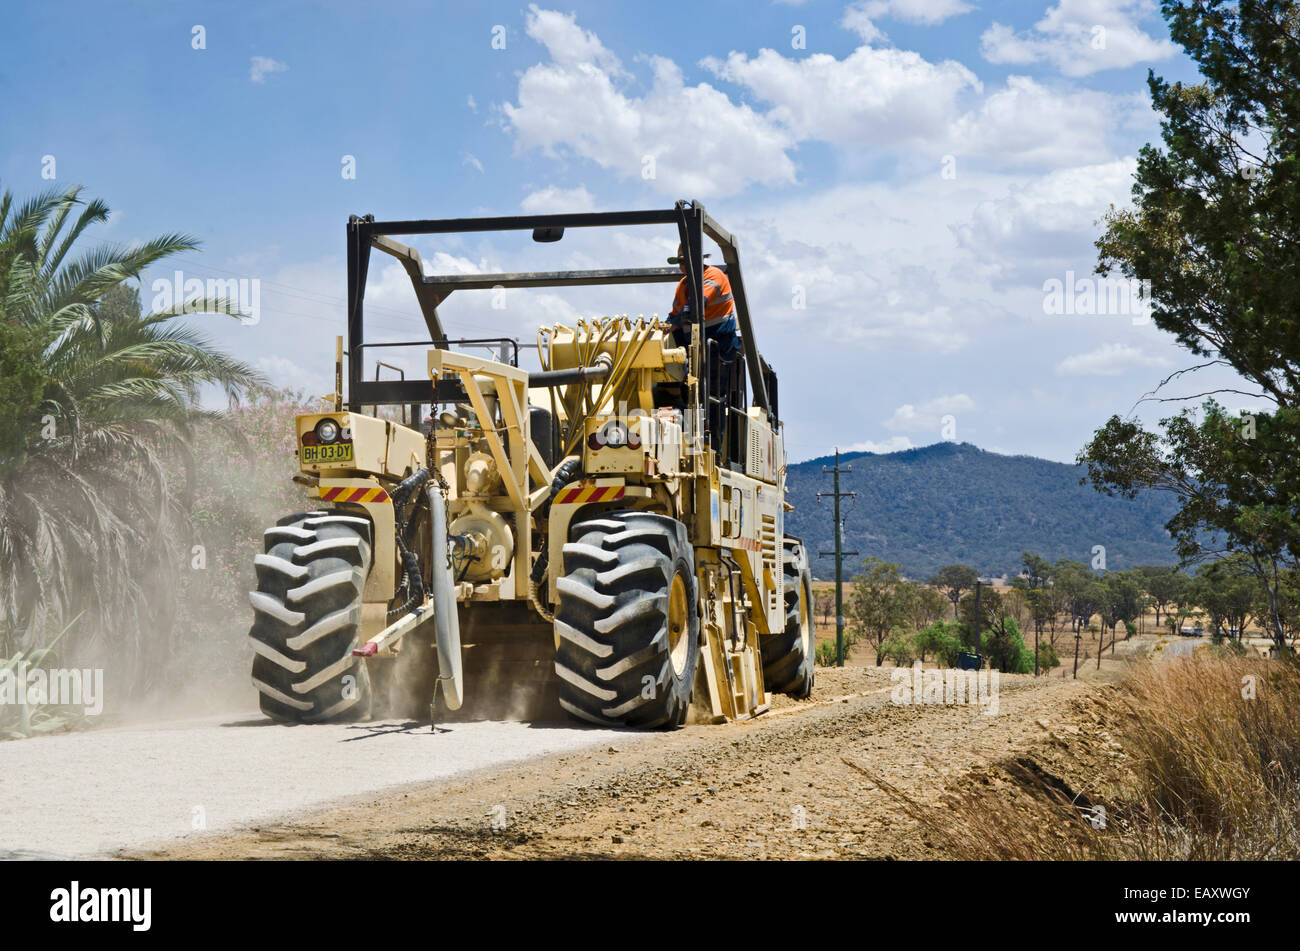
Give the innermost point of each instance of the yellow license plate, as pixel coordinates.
(335, 452)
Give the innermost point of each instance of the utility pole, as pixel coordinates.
(839, 554)
(1078, 636)
(977, 618)
(1037, 630)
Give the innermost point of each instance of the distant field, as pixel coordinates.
(863, 655)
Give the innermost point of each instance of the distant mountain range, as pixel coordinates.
(955, 503)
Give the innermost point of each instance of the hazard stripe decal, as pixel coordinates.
(340, 493)
(591, 493)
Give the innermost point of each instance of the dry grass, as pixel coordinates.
(1211, 771)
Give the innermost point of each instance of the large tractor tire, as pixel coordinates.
(307, 618)
(628, 621)
(789, 658)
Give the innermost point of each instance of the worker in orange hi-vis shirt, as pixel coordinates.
(719, 310)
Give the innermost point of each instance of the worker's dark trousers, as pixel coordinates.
(725, 375)
(724, 333)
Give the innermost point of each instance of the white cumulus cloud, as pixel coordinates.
(680, 139)
(1080, 37)
(878, 96)
(555, 199)
(1026, 123)
(686, 139)
(892, 444)
(1038, 226)
(860, 17)
(1110, 359)
(262, 66)
(926, 416)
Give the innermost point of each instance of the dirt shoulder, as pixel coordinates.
(774, 788)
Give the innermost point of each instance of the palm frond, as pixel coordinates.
(31, 213)
(95, 212)
(90, 520)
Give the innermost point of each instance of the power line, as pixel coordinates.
(839, 553)
(316, 297)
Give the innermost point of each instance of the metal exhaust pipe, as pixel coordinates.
(446, 618)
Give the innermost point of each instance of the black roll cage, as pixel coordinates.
(692, 221)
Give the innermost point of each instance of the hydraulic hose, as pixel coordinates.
(565, 473)
(414, 583)
(570, 375)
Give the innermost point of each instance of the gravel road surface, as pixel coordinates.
(711, 792)
(88, 794)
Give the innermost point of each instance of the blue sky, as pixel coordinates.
(913, 170)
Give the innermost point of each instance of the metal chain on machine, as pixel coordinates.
(443, 487)
(444, 490)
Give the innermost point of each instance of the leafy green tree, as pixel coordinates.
(1163, 584)
(826, 654)
(87, 513)
(1125, 599)
(953, 580)
(1093, 601)
(1121, 601)
(1037, 570)
(22, 387)
(1229, 593)
(119, 304)
(929, 605)
(881, 602)
(990, 612)
(1182, 610)
(824, 603)
(1034, 581)
(1039, 601)
(1217, 209)
(1215, 229)
(1057, 606)
(1081, 593)
(1015, 603)
(1000, 640)
(899, 648)
(1047, 656)
(1238, 493)
(1006, 648)
(1289, 604)
(941, 639)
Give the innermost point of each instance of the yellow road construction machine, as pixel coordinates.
(603, 535)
